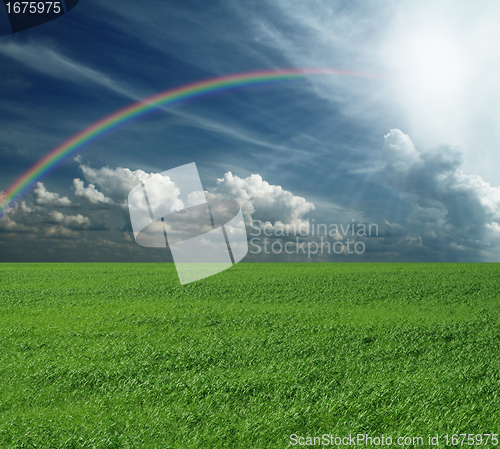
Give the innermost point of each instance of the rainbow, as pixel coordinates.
(167, 98)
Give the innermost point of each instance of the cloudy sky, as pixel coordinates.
(414, 152)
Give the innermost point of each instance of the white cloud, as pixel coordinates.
(19, 218)
(262, 201)
(258, 199)
(90, 193)
(45, 198)
(70, 221)
(114, 182)
(7, 224)
(398, 152)
(118, 182)
(450, 207)
(60, 232)
(40, 220)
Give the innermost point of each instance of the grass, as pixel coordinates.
(122, 356)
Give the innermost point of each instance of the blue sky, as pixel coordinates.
(415, 153)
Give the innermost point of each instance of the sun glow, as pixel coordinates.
(432, 72)
(434, 67)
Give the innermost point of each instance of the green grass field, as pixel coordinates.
(122, 356)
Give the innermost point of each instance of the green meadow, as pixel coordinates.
(123, 356)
